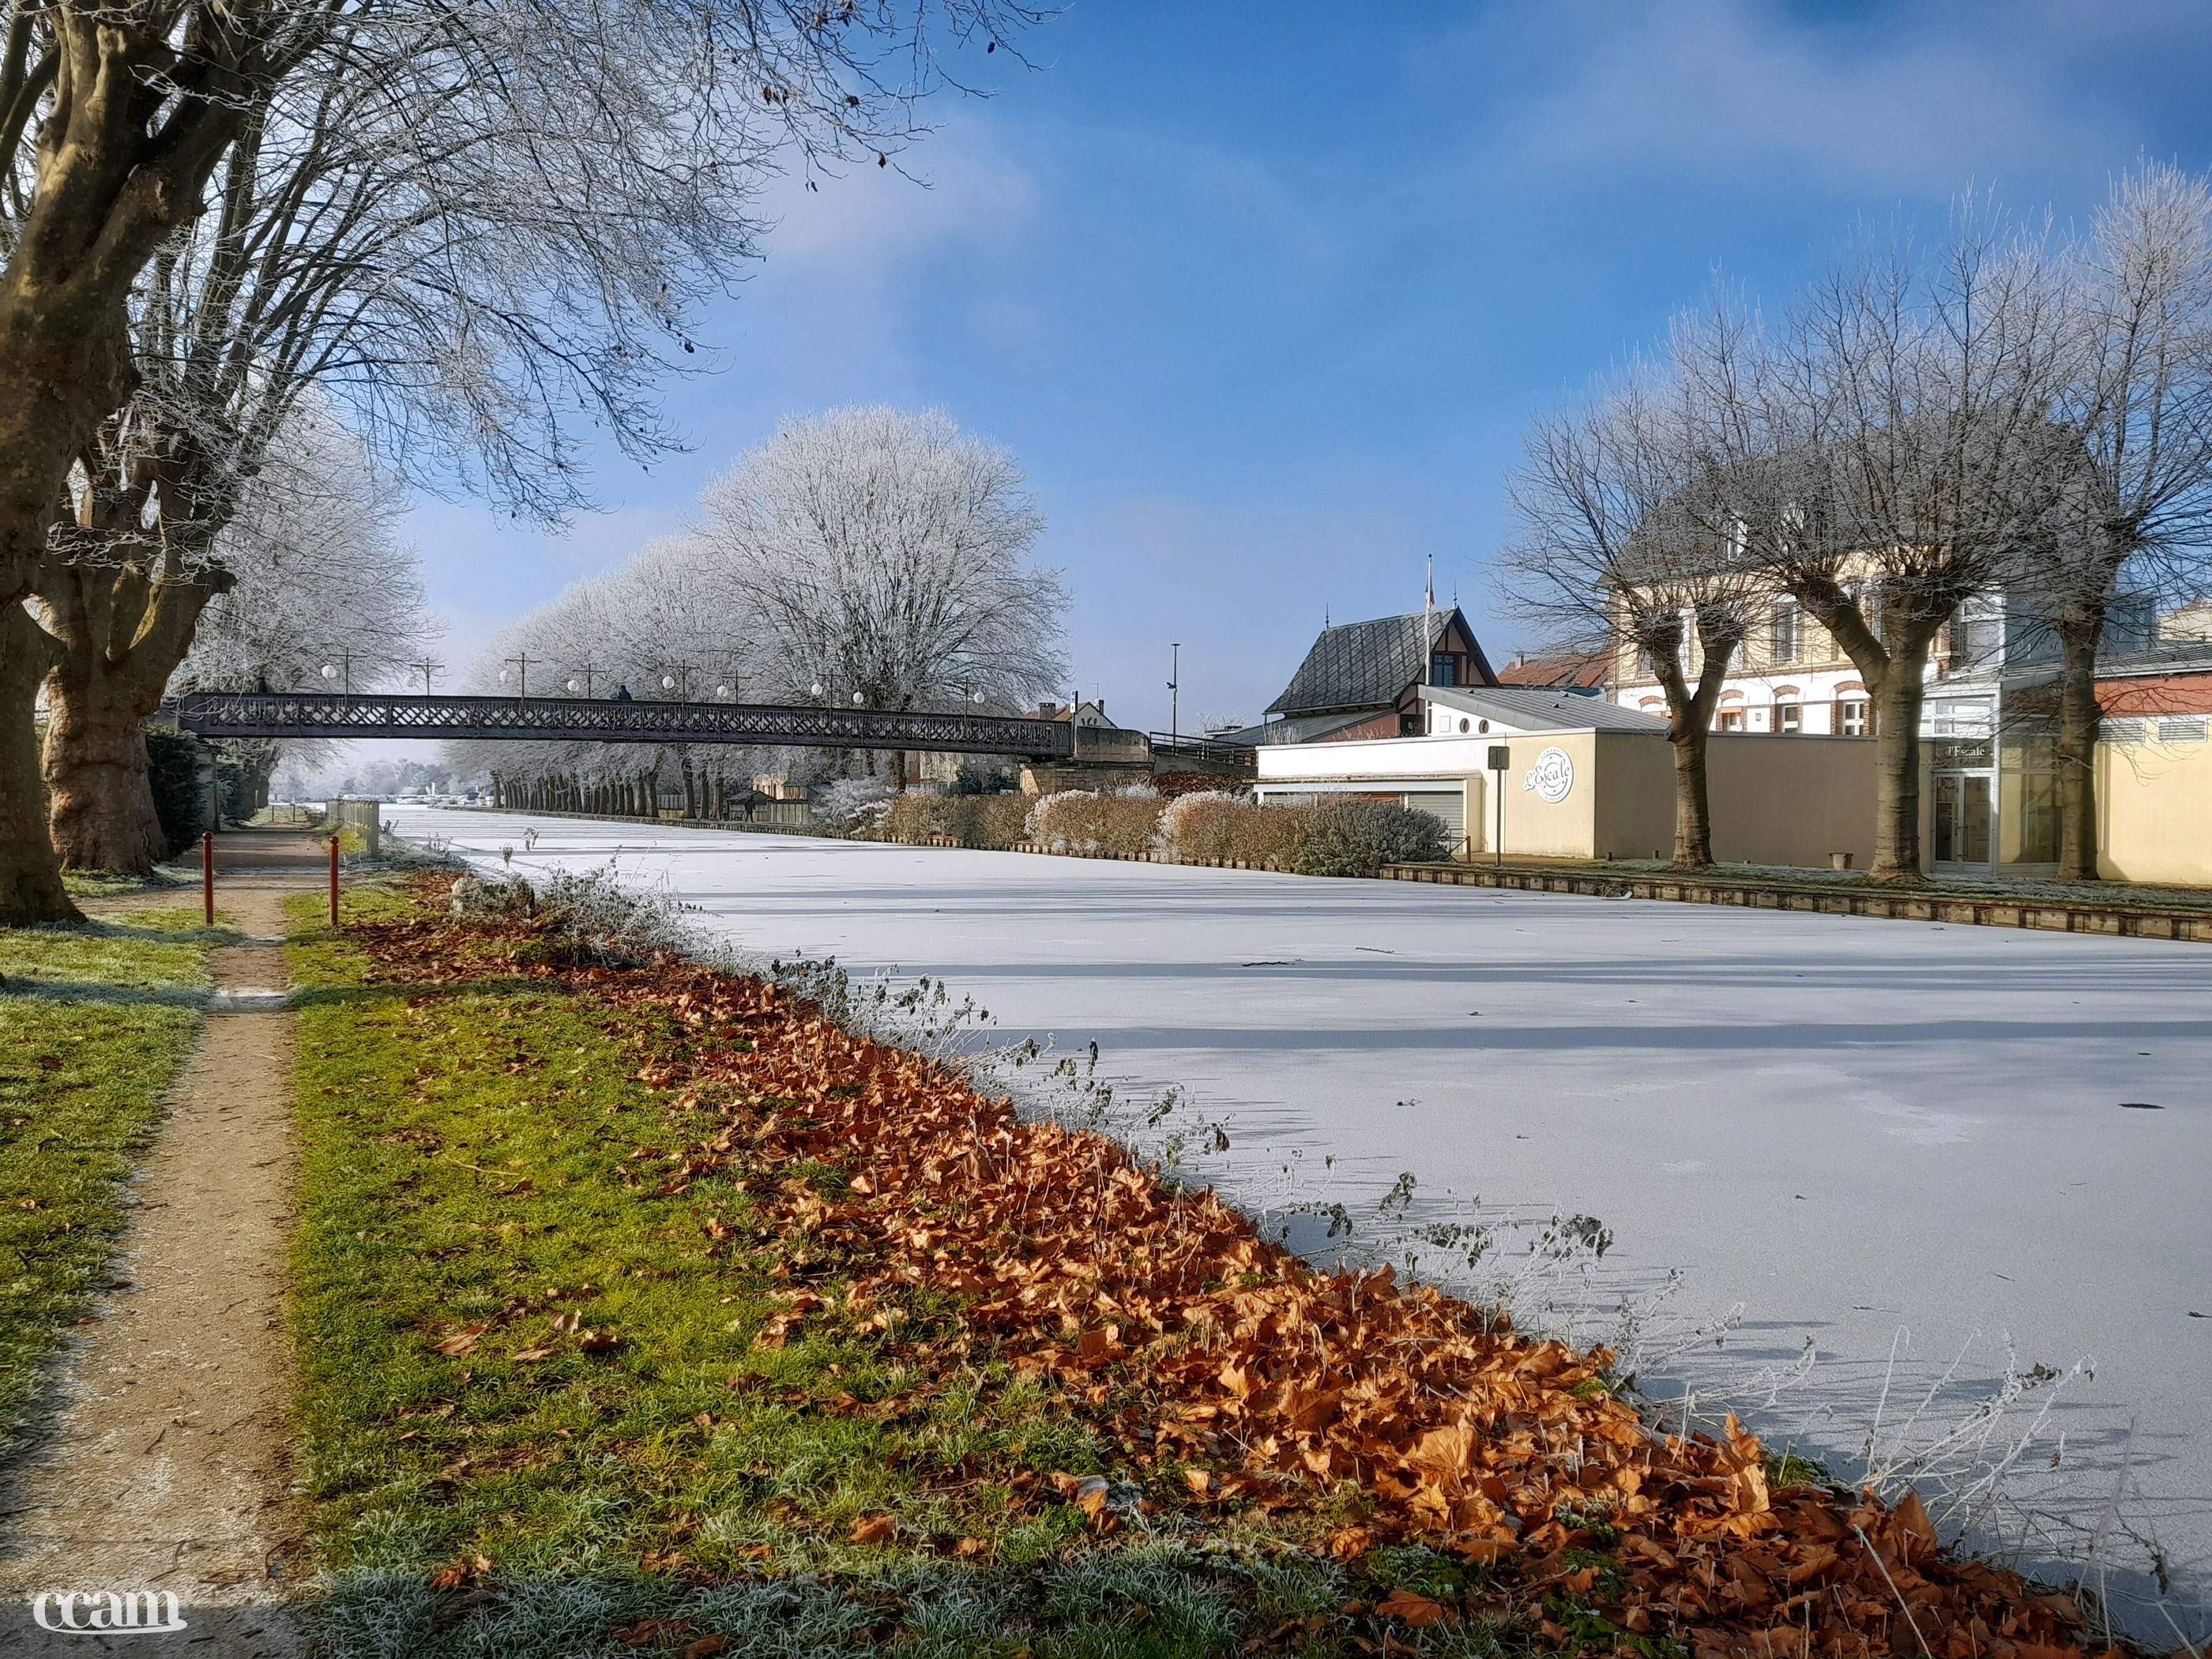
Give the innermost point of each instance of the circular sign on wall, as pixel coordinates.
(1552, 776)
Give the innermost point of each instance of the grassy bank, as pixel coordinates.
(643, 1307)
(89, 1047)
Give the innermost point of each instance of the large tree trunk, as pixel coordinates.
(1689, 725)
(31, 888)
(1897, 694)
(2079, 717)
(1693, 821)
(120, 634)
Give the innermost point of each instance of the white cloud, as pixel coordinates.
(1738, 90)
(963, 182)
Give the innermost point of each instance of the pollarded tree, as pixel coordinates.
(114, 117)
(1618, 543)
(884, 556)
(1890, 451)
(2136, 422)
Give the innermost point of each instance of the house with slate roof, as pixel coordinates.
(1365, 679)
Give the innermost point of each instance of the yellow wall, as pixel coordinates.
(1534, 827)
(1791, 801)
(2154, 813)
(1773, 800)
(1636, 796)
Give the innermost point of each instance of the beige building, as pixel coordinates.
(1583, 778)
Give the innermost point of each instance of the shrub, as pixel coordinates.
(1199, 825)
(996, 820)
(1080, 821)
(915, 818)
(1344, 837)
(172, 768)
(1266, 833)
(853, 807)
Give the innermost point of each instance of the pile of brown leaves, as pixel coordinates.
(1206, 1349)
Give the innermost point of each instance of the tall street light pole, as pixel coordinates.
(1174, 692)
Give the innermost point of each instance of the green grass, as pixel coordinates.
(470, 1162)
(143, 950)
(81, 1082)
(467, 1162)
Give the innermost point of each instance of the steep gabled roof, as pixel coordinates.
(1365, 665)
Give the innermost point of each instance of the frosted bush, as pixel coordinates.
(1197, 825)
(1345, 837)
(1058, 823)
(1081, 821)
(914, 819)
(854, 807)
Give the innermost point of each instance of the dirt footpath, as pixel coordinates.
(167, 1464)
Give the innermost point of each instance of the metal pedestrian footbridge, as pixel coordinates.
(604, 720)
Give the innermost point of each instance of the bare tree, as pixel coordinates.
(2136, 422)
(884, 556)
(1890, 451)
(1618, 543)
(867, 551)
(115, 116)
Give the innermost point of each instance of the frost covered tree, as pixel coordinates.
(882, 554)
(117, 119)
(306, 564)
(1620, 543)
(650, 629)
(866, 551)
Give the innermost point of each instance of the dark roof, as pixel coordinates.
(1565, 668)
(1366, 664)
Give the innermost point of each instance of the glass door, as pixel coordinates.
(1963, 822)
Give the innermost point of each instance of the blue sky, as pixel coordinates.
(1263, 294)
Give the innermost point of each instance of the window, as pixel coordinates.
(1854, 717)
(1730, 719)
(1783, 634)
(1867, 596)
(1443, 669)
(1788, 718)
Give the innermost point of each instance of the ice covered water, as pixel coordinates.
(1849, 1126)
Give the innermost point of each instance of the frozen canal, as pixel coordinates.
(1851, 1127)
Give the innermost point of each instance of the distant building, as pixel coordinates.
(1586, 672)
(1365, 679)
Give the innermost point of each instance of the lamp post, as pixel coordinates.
(521, 665)
(680, 681)
(586, 688)
(429, 669)
(1174, 692)
(341, 670)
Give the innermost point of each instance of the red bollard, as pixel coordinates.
(334, 881)
(207, 874)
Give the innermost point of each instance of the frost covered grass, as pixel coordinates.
(142, 950)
